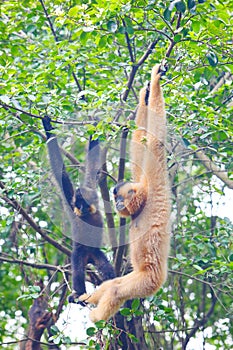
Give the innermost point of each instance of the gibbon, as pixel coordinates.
(147, 201)
(82, 208)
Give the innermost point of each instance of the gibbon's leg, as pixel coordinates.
(78, 263)
(156, 107)
(137, 146)
(112, 294)
(102, 264)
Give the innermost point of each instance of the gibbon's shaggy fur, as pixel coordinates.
(147, 201)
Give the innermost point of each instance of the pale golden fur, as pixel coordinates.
(147, 201)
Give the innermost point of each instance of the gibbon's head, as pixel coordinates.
(130, 198)
(85, 201)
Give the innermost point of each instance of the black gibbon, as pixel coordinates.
(82, 208)
(147, 201)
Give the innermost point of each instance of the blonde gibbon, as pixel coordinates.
(147, 201)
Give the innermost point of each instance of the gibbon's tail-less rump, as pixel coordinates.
(83, 212)
(147, 201)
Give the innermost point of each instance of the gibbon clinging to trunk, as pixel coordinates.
(147, 201)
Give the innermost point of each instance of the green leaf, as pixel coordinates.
(129, 30)
(126, 311)
(102, 42)
(5, 99)
(196, 26)
(180, 6)
(197, 267)
(191, 4)
(167, 14)
(230, 257)
(74, 11)
(135, 304)
(212, 58)
(177, 38)
(91, 331)
(83, 37)
(112, 26)
(54, 330)
(133, 338)
(100, 324)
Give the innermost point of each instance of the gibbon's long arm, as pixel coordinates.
(137, 146)
(92, 163)
(148, 203)
(86, 219)
(57, 163)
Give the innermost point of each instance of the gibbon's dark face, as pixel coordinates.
(85, 201)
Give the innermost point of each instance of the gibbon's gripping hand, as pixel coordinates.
(74, 299)
(163, 69)
(46, 120)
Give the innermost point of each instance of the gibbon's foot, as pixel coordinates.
(86, 298)
(74, 299)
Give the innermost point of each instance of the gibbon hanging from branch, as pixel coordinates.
(147, 201)
(83, 210)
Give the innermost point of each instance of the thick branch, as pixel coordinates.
(107, 205)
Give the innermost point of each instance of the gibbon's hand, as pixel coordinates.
(47, 123)
(163, 69)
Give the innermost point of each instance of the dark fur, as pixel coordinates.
(88, 219)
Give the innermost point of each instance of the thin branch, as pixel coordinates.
(201, 322)
(209, 165)
(135, 68)
(128, 42)
(49, 20)
(72, 122)
(56, 40)
(15, 204)
(34, 265)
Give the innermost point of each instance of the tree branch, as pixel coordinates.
(128, 42)
(201, 322)
(72, 122)
(56, 40)
(34, 265)
(135, 68)
(15, 204)
(209, 165)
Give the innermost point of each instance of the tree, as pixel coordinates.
(81, 60)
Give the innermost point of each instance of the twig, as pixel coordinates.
(135, 68)
(128, 42)
(34, 265)
(209, 165)
(72, 122)
(14, 204)
(56, 39)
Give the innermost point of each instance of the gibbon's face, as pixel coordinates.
(129, 198)
(85, 201)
